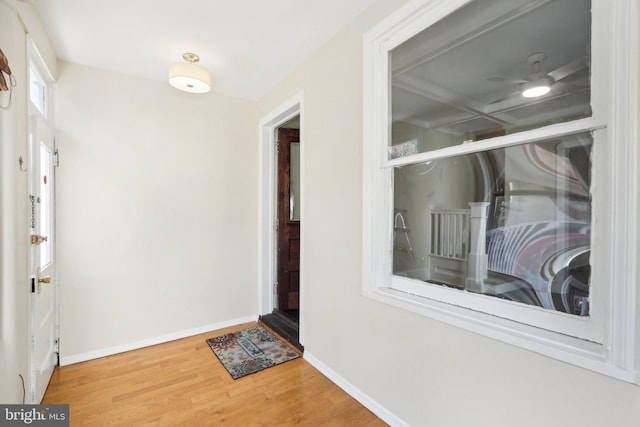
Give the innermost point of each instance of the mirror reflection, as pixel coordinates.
(514, 223)
(294, 181)
(491, 68)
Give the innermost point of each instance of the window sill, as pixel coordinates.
(582, 353)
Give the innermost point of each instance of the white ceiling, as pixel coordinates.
(247, 45)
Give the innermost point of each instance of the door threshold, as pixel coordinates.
(285, 326)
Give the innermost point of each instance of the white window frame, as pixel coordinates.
(35, 66)
(605, 341)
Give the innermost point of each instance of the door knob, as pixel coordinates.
(37, 239)
(42, 279)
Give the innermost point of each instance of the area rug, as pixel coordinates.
(250, 350)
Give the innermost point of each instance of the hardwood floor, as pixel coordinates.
(182, 383)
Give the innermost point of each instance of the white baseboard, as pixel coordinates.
(355, 392)
(83, 357)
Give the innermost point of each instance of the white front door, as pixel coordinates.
(43, 342)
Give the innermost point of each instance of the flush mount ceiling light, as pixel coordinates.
(188, 76)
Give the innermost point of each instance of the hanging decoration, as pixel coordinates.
(4, 85)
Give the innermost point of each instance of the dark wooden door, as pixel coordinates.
(288, 288)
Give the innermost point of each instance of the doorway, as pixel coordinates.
(285, 317)
(281, 229)
(43, 296)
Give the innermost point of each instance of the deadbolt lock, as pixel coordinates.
(37, 239)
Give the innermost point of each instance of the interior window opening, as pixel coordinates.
(513, 223)
(492, 206)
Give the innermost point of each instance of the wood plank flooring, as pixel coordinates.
(182, 383)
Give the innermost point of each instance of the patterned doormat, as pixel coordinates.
(250, 350)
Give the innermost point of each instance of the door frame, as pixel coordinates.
(35, 59)
(267, 206)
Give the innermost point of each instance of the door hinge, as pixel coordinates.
(33, 285)
(56, 161)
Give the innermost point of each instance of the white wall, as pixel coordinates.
(13, 232)
(15, 20)
(38, 35)
(157, 201)
(425, 372)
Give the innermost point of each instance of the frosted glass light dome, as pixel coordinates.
(188, 76)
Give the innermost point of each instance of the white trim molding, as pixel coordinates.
(110, 351)
(267, 215)
(607, 340)
(383, 413)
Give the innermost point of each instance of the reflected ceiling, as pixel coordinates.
(465, 74)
